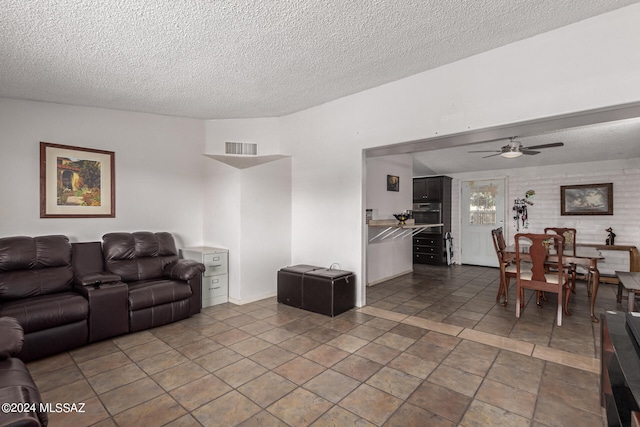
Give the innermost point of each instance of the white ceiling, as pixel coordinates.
(249, 58)
(598, 142)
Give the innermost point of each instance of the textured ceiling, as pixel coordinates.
(249, 58)
(603, 141)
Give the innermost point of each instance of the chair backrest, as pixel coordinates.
(498, 243)
(569, 234)
(634, 259)
(536, 246)
(32, 266)
(138, 256)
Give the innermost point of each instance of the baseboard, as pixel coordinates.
(389, 278)
(249, 301)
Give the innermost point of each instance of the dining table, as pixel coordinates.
(630, 281)
(584, 256)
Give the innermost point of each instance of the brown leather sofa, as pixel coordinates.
(16, 384)
(36, 288)
(65, 295)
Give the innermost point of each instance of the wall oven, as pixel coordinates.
(428, 213)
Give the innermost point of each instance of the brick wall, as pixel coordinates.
(625, 220)
(545, 212)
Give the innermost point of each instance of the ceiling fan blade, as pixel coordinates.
(536, 147)
(485, 151)
(530, 152)
(491, 155)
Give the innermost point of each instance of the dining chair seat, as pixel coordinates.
(549, 277)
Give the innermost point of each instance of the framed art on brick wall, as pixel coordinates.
(76, 182)
(586, 199)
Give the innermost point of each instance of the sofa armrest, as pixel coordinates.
(96, 278)
(11, 337)
(183, 269)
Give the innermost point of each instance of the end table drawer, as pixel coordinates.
(215, 286)
(215, 263)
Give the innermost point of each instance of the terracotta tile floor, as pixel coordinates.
(432, 348)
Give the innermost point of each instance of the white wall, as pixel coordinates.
(545, 211)
(584, 66)
(265, 228)
(221, 215)
(248, 211)
(158, 169)
(390, 257)
(625, 176)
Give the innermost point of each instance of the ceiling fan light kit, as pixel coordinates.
(511, 154)
(515, 149)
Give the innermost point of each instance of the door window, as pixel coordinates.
(482, 203)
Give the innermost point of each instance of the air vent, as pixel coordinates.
(249, 148)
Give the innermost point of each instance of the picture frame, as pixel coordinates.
(586, 199)
(393, 183)
(76, 182)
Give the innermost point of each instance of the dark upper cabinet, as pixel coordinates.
(430, 189)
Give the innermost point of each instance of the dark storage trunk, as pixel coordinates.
(290, 284)
(317, 289)
(329, 292)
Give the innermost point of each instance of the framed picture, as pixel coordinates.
(76, 182)
(393, 183)
(589, 199)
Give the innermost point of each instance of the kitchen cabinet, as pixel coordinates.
(429, 249)
(215, 280)
(429, 246)
(430, 189)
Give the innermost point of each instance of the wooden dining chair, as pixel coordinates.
(570, 236)
(533, 248)
(507, 268)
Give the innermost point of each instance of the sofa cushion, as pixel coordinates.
(31, 266)
(149, 293)
(11, 337)
(47, 311)
(138, 256)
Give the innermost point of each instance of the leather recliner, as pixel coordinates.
(162, 288)
(16, 384)
(36, 288)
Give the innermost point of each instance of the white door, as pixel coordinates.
(482, 209)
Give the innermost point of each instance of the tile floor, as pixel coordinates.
(432, 348)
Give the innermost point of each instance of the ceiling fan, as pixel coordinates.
(515, 149)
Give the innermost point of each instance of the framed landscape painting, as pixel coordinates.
(589, 199)
(76, 182)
